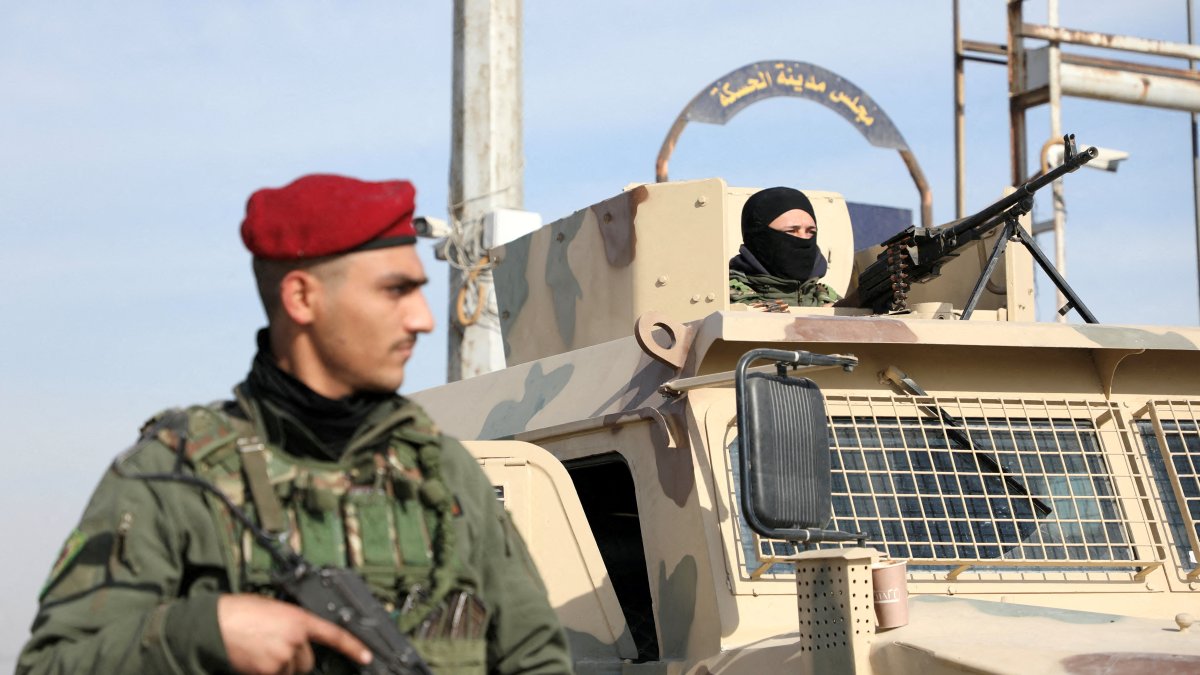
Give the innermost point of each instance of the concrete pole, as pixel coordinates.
(486, 172)
(1060, 215)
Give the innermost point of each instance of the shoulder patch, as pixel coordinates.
(70, 550)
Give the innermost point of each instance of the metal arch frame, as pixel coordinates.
(668, 146)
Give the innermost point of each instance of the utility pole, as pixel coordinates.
(486, 172)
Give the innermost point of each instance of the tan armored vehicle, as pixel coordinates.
(1040, 480)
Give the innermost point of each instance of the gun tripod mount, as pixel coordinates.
(1072, 160)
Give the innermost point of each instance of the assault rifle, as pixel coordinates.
(340, 596)
(918, 253)
(335, 594)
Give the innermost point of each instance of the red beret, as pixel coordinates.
(322, 214)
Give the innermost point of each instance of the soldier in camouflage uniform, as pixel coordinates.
(317, 446)
(779, 264)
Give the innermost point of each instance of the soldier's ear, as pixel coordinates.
(299, 292)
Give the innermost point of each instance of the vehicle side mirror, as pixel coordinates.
(784, 448)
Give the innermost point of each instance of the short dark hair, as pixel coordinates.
(269, 274)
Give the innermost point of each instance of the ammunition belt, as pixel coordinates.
(898, 262)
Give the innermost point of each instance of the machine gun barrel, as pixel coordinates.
(1026, 190)
(917, 253)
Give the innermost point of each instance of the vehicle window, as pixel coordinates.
(1183, 450)
(1005, 489)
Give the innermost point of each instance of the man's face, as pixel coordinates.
(366, 320)
(796, 223)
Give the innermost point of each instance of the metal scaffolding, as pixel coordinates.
(1044, 74)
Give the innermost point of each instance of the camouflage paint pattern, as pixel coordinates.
(560, 278)
(512, 290)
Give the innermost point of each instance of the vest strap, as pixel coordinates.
(266, 502)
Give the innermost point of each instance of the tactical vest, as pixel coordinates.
(375, 512)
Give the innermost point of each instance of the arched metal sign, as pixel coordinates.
(718, 102)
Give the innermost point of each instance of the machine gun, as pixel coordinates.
(918, 253)
(335, 594)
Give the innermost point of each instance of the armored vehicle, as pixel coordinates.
(1040, 480)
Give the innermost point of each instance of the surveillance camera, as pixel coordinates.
(432, 228)
(1106, 159)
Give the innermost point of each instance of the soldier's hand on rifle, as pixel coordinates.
(265, 636)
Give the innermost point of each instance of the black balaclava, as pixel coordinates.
(782, 255)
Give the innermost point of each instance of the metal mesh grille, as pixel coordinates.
(1172, 440)
(992, 483)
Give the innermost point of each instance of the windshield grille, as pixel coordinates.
(957, 485)
(1172, 439)
(1021, 488)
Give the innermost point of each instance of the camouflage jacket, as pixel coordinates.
(776, 294)
(135, 588)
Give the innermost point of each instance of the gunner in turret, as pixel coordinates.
(779, 264)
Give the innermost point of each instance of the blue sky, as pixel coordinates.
(132, 134)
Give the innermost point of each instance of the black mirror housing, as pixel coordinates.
(783, 440)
